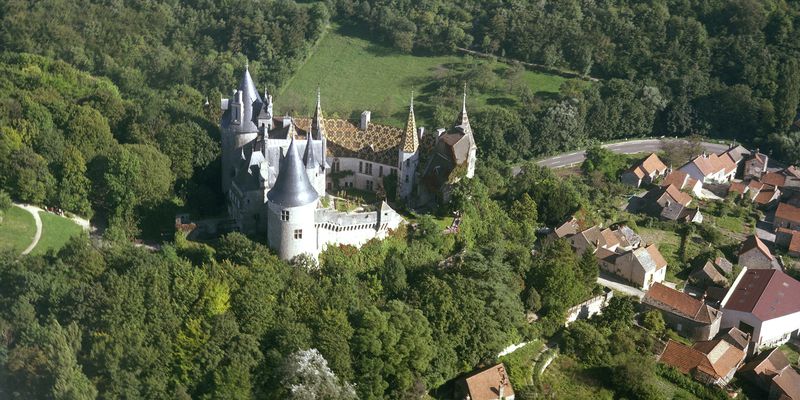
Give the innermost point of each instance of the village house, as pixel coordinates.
(768, 197)
(773, 373)
(711, 361)
(645, 171)
(755, 254)
(670, 203)
(491, 383)
(765, 304)
(708, 275)
(776, 179)
(688, 316)
(683, 181)
(711, 168)
(642, 267)
(787, 216)
(620, 239)
(755, 166)
(788, 239)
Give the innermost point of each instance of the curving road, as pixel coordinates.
(35, 212)
(627, 147)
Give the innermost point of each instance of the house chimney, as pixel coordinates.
(364, 120)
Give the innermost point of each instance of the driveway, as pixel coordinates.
(626, 147)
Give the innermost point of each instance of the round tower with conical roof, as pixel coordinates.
(292, 204)
(239, 125)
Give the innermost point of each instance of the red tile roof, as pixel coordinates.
(652, 164)
(717, 358)
(765, 293)
(765, 196)
(794, 245)
(788, 212)
(738, 187)
(485, 385)
(668, 299)
(711, 164)
(774, 179)
(680, 197)
(753, 242)
(677, 178)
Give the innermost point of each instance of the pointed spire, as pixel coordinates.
(410, 138)
(292, 187)
(318, 122)
(463, 120)
(309, 158)
(248, 87)
(292, 132)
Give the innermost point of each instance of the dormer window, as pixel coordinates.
(235, 114)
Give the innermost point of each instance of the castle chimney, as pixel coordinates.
(421, 131)
(364, 120)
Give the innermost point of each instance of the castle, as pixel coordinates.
(272, 189)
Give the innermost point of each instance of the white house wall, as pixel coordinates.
(778, 330)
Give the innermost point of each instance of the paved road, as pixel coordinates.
(629, 147)
(35, 212)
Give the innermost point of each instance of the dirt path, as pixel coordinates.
(35, 212)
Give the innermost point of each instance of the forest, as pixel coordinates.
(108, 109)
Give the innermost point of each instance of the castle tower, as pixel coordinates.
(292, 204)
(462, 124)
(238, 126)
(408, 159)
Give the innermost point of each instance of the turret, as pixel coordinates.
(292, 202)
(238, 125)
(409, 155)
(462, 124)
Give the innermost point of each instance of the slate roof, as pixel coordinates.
(485, 385)
(251, 100)
(679, 303)
(753, 242)
(765, 293)
(292, 187)
(788, 212)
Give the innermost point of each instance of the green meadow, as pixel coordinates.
(356, 74)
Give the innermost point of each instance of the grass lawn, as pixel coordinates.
(355, 74)
(16, 230)
(792, 353)
(732, 224)
(565, 378)
(55, 232)
(521, 362)
(668, 244)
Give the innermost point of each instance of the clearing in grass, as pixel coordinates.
(355, 74)
(56, 231)
(17, 229)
